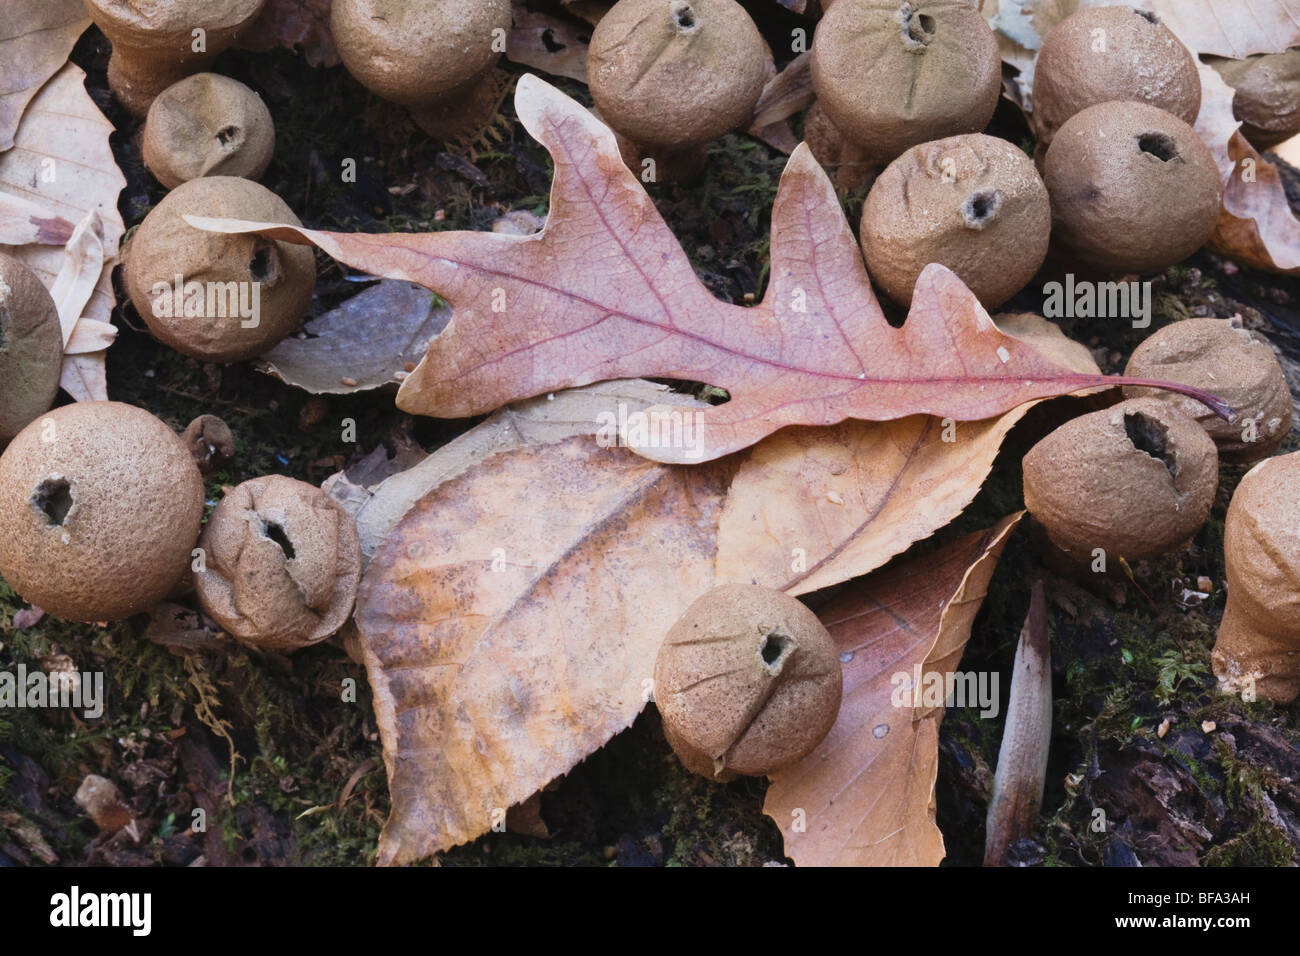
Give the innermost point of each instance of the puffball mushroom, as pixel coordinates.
(669, 76)
(215, 297)
(1135, 480)
(282, 562)
(747, 682)
(431, 56)
(1258, 647)
(207, 125)
(157, 42)
(1133, 188)
(1266, 95)
(1228, 361)
(974, 203)
(31, 347)
(893, 74)
(100, 506)
(1100, 54)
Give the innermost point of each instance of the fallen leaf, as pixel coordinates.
(548, 43)
(811, 507)
(865, 795)
(84, 375)
(537, 421)
(23, 222)
(1026, 738)
(62, 162)
(1257, 225)
(368, 340)
(785, 94)
(604, 291)
(35, 40)
(299, 25)
(510, 623)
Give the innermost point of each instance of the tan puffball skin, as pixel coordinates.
(755, 717)
(166, 246)
(1259, 638)
(675, 74)
(136, 501)
(418, 52)
(31, 348)
(891, 73)
(1266, 95)
(207, 125)
(1225, 360)
(1090, 486)
(973, 203)
(1142, 61)
(153, 41)
(1117, 205)
(254, 589)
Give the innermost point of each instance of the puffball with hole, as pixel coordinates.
(973, 203)
(100, 506)
(1133, 188)
(1135, 480)
(282, 561)
(215, 297)
(747, 681)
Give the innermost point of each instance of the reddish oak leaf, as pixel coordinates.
(604, 291)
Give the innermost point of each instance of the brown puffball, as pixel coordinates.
(281, 564)
(1266, 95)
(157, 42)
(893, 73)
(1100, 54)
(973, 203)
(1225, 360)
(423, 54)
(1136, 480)
(672, 75)
(207, 125)
(100, 506)
(1258, 648)
(747, 681)
(31, 348)
(240, 295)
(1133, 188)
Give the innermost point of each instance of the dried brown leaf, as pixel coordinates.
(510, 623)
(865, 795)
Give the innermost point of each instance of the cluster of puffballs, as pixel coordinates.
(101, 503)
(747, 681)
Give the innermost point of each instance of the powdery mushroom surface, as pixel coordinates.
(1123, 665)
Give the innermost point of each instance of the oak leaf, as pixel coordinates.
(865, 795)
(36, 38)
(604, 291)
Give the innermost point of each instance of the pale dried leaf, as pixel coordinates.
(536, 421)
(367, 342)
(36, 37)
(23, 221)
(62, 162)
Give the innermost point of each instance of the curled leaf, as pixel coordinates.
(865, 795)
